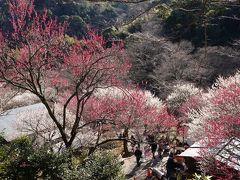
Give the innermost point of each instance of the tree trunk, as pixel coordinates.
(91, 150)
(125, 143)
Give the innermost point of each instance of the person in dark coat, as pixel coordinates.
(133, 142)
(153, 148)
(171, 165)
(160, 146)
(138, 154)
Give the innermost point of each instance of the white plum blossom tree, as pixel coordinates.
(216, 113)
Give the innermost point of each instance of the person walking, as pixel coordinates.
(160, 146)
(133, 142)
(153, 148)
(170, 166)
(138, 155)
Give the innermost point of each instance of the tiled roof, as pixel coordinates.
(230, 153)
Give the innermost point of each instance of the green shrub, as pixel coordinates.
(21, 160)
(101, 166)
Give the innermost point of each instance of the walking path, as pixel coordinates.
(131, 170)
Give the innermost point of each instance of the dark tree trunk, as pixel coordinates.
(125, 143)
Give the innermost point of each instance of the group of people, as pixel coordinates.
(174, 165)
(161, 146)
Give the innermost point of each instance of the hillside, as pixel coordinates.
(167, 42)
(120, 89)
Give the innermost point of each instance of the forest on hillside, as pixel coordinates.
(120, 89)
(168, 42)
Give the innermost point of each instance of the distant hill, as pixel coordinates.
(167, 42)
(79, 14)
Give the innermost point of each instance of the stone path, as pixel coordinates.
(131, 170)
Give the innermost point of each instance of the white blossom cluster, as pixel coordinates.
(210, 109)
(182, 91)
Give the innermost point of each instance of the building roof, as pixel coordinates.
(9, 125)
(230, 153)
(8, 121)
(194, 150)
(227, 152)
